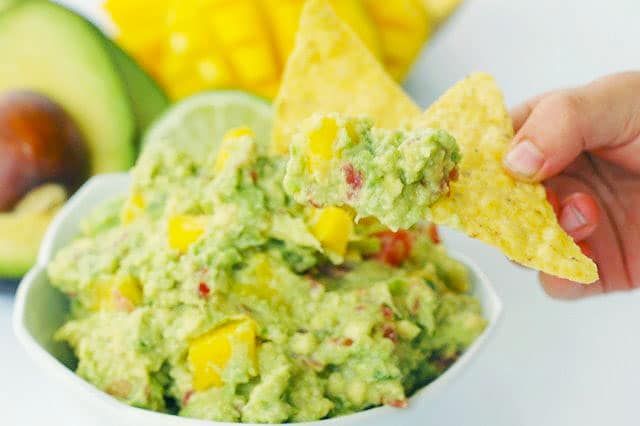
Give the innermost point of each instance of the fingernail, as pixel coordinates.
(524, 159)
(571, 218)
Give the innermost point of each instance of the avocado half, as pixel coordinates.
(51, 50)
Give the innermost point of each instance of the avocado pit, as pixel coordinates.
(39, 143)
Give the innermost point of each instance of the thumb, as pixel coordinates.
(552, 130)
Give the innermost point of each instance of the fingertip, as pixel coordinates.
(549, 139)
(523, 160)
(579, 215)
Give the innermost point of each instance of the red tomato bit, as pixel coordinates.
(433, 234)
(387, 312)
(398, 403)
(389, 332)
(353, 178)
(395, 247)
(203, 290)
(186, 398)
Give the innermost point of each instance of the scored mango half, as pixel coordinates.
(209, 44)
(209, 354)
(485, 202)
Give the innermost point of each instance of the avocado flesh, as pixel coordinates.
(50, 50)
(20, 237)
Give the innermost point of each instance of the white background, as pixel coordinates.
(550, 362)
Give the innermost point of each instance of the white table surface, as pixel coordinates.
(550, 362)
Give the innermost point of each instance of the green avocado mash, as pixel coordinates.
(210, 293)
(392, 175)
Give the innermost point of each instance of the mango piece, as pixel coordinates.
(404, 27)
(259, 284)
(143, 41)
(283, 16)
(242, 34)
(208, 44)
(184, 230)
(333, 228)
(192, 60)
(226, 147)
(210, 353)
(356, 16)
(132, 209)
(321, 139)
(116, 293)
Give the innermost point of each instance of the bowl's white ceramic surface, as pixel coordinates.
(40, 310)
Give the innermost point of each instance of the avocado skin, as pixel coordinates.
(148, 100)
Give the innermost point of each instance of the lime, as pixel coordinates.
(195, 122)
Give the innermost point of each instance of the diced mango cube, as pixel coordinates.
(321, 139)
(226, 147)
(321, 145)
(117, 293)
(184, 230)
(132, 208)
(210, 353)
(129, 288)
(333, 228)
(259, 284)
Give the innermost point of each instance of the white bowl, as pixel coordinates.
(40, 310)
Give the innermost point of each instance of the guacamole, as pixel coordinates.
(207, 292)
(392, 175)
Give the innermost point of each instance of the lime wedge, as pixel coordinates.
(194, 123)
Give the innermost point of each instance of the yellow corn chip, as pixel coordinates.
(486, 203)
(331, 70)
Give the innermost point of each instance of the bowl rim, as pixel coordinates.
(91, 394)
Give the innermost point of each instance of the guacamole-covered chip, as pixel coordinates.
(393, 175)
(331, 70)
(488, 204)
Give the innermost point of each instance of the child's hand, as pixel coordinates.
(584, 143)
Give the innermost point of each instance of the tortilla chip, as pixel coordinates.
(331, 70)
(485, 202)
